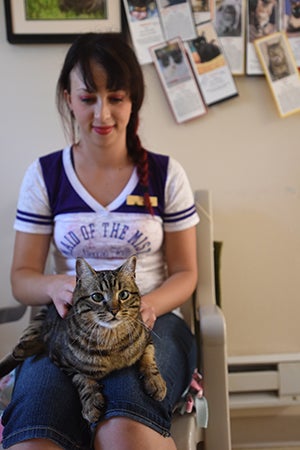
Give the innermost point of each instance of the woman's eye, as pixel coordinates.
(87, 100)
(123, 295)
(116, 99)
(97, 297)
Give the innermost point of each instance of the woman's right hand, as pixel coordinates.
(60, 290)
(30, 285)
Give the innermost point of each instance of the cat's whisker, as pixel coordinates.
(147, 328)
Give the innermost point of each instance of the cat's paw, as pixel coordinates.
(93, 408)
(156, 387)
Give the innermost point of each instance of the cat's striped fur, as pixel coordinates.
(102, 332)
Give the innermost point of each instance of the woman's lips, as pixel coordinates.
(103, 130)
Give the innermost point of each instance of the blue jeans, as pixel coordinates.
(45, 404)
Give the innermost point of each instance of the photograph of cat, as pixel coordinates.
(228, 17)
(172, 64)
(102, 332)
(82, 6)
(200, 5)
(142, 9)
(65, 10)
(278, 64)
(206, 49)
(263, 16)
(293, 13)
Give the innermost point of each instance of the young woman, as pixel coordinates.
(104, 197)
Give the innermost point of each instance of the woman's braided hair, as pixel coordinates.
(123, 72)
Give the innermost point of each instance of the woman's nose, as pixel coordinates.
(101, 110)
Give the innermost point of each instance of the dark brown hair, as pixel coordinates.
(123, 72)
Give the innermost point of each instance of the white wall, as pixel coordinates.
(242, 151)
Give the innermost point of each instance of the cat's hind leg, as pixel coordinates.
(30, 343)
(7, 364)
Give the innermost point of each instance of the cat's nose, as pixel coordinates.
(113, 310)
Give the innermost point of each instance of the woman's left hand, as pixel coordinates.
(148, 314)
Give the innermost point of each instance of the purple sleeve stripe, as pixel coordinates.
(189, 210)
(38, 216)
(33, 218)
(180, 216)
(36, 222)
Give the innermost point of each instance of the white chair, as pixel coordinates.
(207, 321)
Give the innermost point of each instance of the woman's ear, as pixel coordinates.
(67, 97)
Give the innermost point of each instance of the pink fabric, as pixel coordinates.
(1, 431)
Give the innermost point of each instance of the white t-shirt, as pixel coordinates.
(53, 201)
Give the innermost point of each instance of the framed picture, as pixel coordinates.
(291, 25)
(177, 19)
(263, 19)
(59, 21)
(281, 71)
(203, 10)
(144, 26)
(210, 65)
(229, 23)
(178, 81)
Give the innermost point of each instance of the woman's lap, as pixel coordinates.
(45, 403)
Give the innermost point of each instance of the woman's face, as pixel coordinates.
(102, 115)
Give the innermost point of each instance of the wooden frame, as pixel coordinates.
(23, 31)
(281, 71)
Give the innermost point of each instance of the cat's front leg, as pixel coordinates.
(154, 383)
(91, 397)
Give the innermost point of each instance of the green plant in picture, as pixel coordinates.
(65, 9)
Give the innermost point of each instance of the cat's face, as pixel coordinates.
(107, 297)
(295, 8)
(200, 43)
(276, 54)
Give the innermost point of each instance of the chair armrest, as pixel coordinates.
(12, 313)
(186, 432)
(212, 326)
(212, 335)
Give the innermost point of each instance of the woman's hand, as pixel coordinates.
(29, 283)
(60, 290)
(181, 259)
(148, 314)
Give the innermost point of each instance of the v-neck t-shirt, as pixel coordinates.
(53, 201)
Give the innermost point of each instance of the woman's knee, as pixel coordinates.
(128, 434)
(36, 444)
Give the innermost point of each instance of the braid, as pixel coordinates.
(143, 173)
(140, 157)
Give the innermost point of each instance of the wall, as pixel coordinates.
(241, 150)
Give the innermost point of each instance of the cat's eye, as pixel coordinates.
(123, 295)
(97, 297)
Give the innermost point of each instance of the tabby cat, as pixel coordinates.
(102, 332)
(278, 65)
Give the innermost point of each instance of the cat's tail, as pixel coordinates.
(7, 364)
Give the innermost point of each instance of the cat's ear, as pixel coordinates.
(83, 269)
(129, 265)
